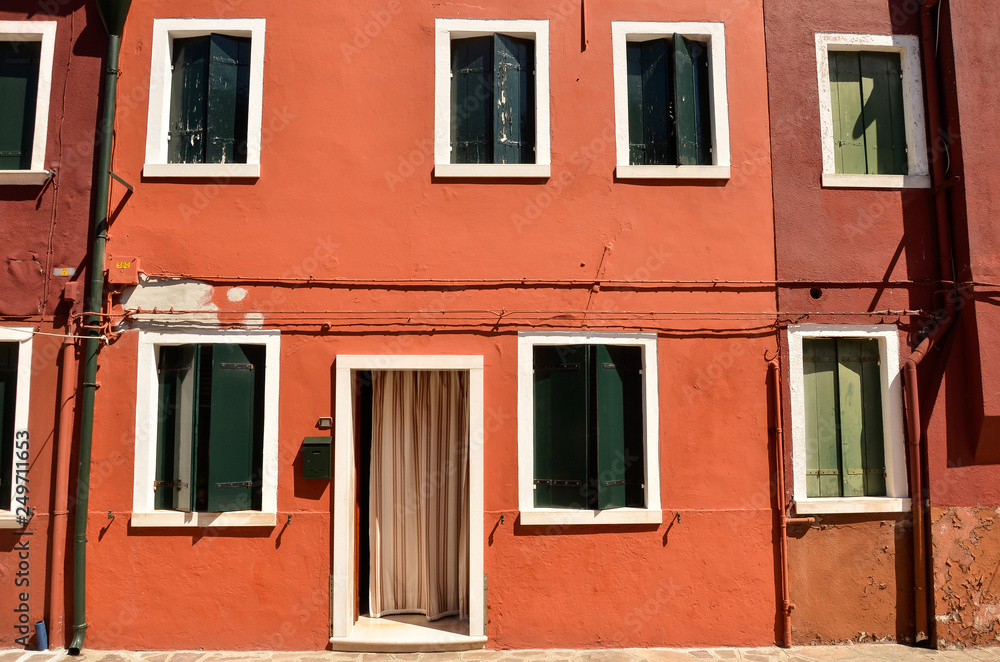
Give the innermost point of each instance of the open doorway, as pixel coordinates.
(408, 496)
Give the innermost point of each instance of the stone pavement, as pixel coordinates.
(846, 653)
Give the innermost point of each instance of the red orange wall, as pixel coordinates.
(42, 228)
(346, 191)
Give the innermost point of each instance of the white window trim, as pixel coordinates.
(144, 514)
(165, 30)
(445, 29)
(623, 32)
(530, 515)
(24, 336)
(897, 489)
(45, 32)
(908, 47)
(345, 592)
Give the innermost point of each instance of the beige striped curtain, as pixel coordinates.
(419, 515)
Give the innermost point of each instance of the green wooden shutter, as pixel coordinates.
(228, 99)
(19, 63)
(884, 131)
(620, 473)
(513, 100)
(188, 100)
(636, 125)
(472, 100)
(651, 127)
(231, 437)
(8, 399)
(692, 94)
(860, 400)
(848, 120)
(819, 358)
(561, 384)
(171, 362)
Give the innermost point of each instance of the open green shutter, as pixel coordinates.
(620, 473)
(692, 112)
(231, 436)
(848, 120)
(472, 100)
(819, 358)
(228, 92)
(169, 366)
(636, 127)
(8, 399)
(884, 127)
(19, 63)
(188, 100)
(562, 421)
(659, 132)
(513, 100)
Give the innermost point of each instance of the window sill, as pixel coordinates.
(24, 177)
(9, 521)
(202, 170)
(175, 519)
(567, 517)
(836, 180)
(492, 170)
(847, 505)
(672, 172)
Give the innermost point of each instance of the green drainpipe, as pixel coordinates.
(113, 13)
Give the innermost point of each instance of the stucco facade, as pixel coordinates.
(345, 241)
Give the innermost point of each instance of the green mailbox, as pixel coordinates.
(317, 459)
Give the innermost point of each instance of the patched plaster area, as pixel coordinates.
(966, 582)
(188, 297)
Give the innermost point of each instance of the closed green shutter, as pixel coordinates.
(620, 474)
(848, 121)
(869, 130)
(562, 422)
(652, 137)
(885, 133)
(692, 95)
(845, 448)
(188, 100)
(819, 358)
(472, 100)
(513, 100)
(861, 439)
(228, 99)
(19, 63)
(232, 430)
(8, 399)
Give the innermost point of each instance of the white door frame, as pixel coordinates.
(343, 591)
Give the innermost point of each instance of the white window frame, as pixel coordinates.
(165, 30)
(344, 499)
(144, 513)
(897, 489)
(908, 47)
(24, 336)
(530, 515)
(624, 32)
(45, 32)
(446, 29)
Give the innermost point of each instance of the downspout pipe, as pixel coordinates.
(774, 368)
(113, 13)
(60, 515)
(943, 323)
